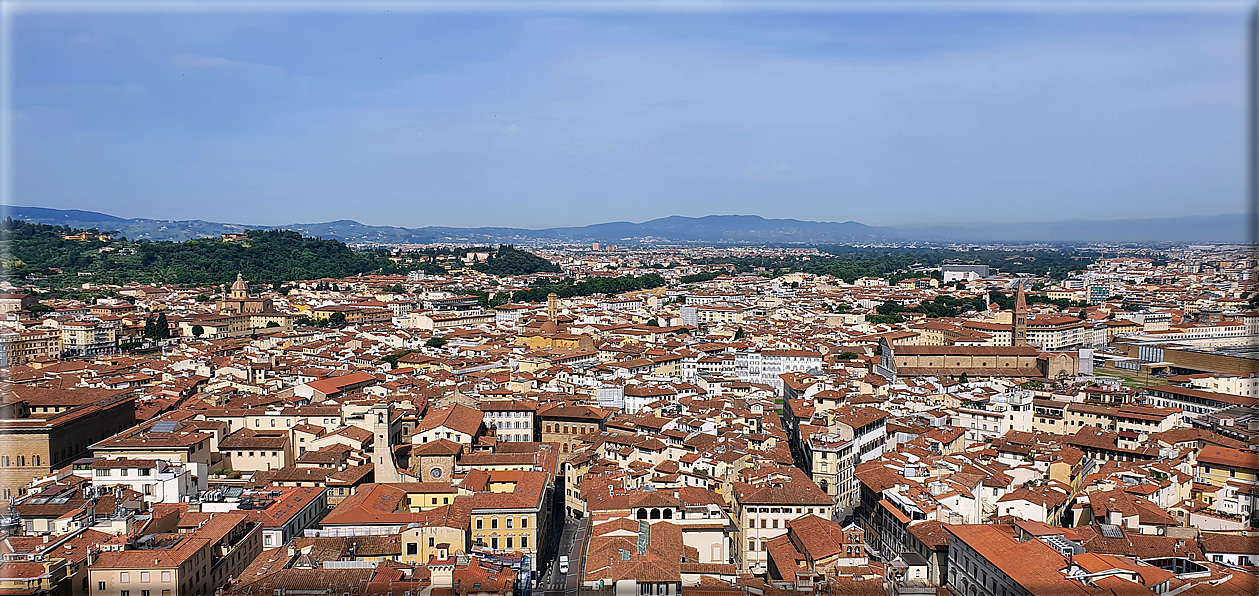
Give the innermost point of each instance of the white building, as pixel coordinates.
(514, 420)
(1008, 411)
(765, 366)
(158, 480)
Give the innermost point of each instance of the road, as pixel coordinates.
(553, 582)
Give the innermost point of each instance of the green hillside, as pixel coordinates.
(265, 256)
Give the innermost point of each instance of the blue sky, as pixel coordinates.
(543, 119)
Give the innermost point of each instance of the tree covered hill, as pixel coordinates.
(264, 256)
(509, 260)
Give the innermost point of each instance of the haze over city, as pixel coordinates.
(534, 119)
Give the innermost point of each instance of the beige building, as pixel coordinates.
(248, 450)
(762, 511)
(21, 346)
(44, 429)
(194, 563)
(88, 338)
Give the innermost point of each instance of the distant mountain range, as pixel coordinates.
(712, 229)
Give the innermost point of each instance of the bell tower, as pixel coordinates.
(382, 445)
(552, 325)
(1019, 337)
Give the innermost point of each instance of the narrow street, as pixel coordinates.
(554, 583)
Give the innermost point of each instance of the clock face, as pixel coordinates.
(435, 472)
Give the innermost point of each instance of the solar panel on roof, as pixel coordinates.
(1110, 530)
(165, 426)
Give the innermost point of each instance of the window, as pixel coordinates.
(125, 593)
(524, 542)
(124, 577)
(524, 522)
(509, 522)
(479, 523)
(144, 593)
(100, 585)
(432, 542)
(494, 523)
(413, 548)
(144, 577)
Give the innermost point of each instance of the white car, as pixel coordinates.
(563, 564)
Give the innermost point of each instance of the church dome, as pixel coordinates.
(239, 285)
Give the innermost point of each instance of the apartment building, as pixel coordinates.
(88, 338)
(17, 347)
(158, 480)
(195, 563)
(512, 420)
(1056, 333)
(1194, 402)
(768, 366)
(994, 419)
(852, 435)
(763, 509)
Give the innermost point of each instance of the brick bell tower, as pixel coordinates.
(1020, 318)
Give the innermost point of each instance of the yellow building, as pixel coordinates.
(38, 576)
(1222, 465)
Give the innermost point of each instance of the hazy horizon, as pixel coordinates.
(537, 121)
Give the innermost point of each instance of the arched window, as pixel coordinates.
(655, 514)
(668, 514)
(642, 514)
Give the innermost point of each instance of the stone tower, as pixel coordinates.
(1019, 337)
(382, 445)
(552, 324)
